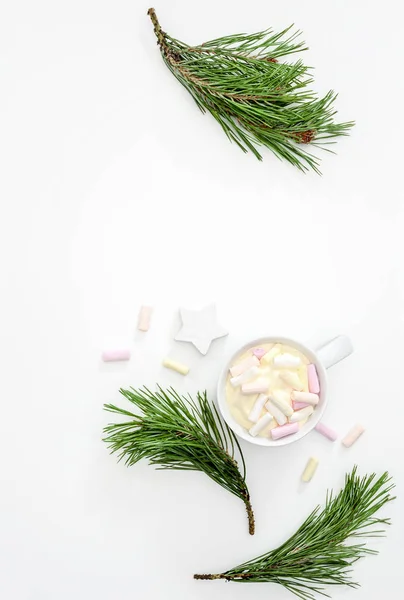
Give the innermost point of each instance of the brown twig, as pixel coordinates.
(250, 514)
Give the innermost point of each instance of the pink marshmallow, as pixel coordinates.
(247, 363)
(259, 352)
(143, 322)
(112, 355)
(299, 405)
(314, 386)
(284, 430)
(326, 431)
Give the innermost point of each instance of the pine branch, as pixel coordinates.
(257, 100)
(318, 553)
(177, 432)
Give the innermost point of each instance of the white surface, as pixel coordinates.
(116, 191)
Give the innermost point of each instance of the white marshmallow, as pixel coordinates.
(306, 397)
(263, 422)
(287, 361)
(247, 363)
(283, 406)
(302, 414)
(277, 414)
(291, 379)
(260, 386)
(244, 377)
(257, 408)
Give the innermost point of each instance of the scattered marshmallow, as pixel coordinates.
(306, 397)
(175, 366)
(277, 414)
(267, 358)
(353, 435)
(310, 469)
(287, 361)
(145, 314)
(283, 406)
(247, 363)
(314, 385)
(292, 379)
(244, 377)
(326, 431)
(257, 408)
(280, 432)
(299, 405)
(114, 355)
(259, 352)
(263, 422)
(260, 386)
(302, 414)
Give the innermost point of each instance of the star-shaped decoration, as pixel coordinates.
(200, 327)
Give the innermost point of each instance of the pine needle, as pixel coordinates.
(257, 100)
(177, 432)
(318, 553)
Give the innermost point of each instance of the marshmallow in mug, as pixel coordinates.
(272, 390)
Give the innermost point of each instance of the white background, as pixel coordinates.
(117, 191)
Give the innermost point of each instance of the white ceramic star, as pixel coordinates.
(200, 327)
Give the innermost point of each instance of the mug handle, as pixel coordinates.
(334, 351)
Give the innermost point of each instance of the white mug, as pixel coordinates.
(324, 358)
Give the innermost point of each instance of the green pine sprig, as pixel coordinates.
(178, 432)
(257, 100)
(320, 552)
